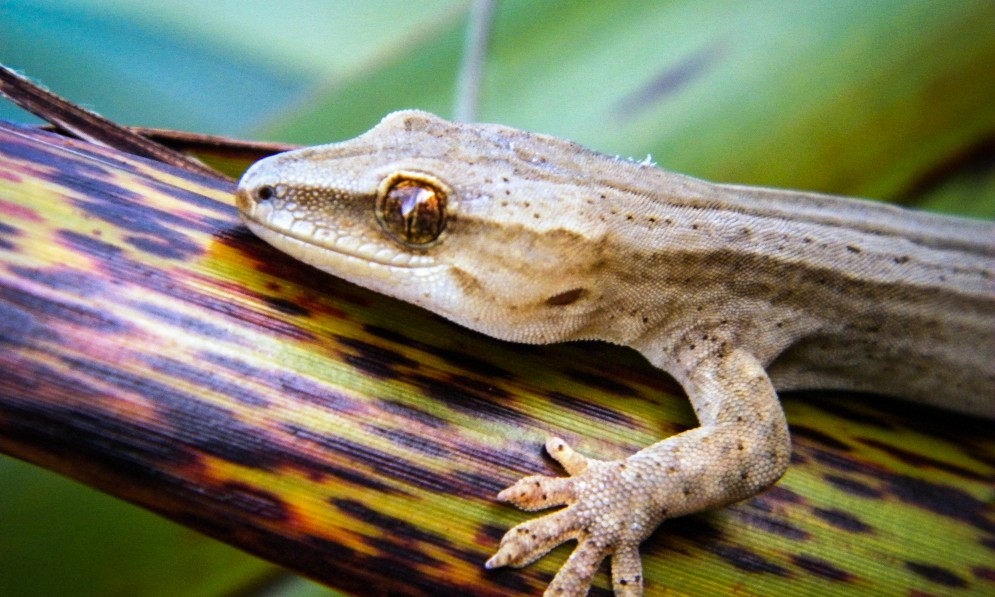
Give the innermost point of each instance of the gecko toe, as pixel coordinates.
(627, 571)
(576, 575)
(538, 492)
(531, 540)
(571, 461)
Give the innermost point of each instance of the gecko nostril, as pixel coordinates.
(265, 192)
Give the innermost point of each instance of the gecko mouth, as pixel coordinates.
(323, 247)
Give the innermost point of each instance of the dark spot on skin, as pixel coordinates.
(937, 574)
(853, 249)
(566, 298)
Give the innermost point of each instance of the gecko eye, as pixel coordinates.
(411, 208)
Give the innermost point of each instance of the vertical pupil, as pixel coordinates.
(411, 199)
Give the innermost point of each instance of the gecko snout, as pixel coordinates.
(246, 197)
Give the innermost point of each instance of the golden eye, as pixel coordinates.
(411, 208)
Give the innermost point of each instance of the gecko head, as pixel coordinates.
(485, 225)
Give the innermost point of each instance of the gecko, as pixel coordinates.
(736, 292)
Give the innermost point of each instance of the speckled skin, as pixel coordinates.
(734, 291)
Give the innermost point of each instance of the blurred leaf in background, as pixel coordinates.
(887, 99)
(219, 67)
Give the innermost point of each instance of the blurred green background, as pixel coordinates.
(885, 99)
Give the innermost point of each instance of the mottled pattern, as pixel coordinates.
(153, 348)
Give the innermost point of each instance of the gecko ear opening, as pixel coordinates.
(566, 298)
(411, 208)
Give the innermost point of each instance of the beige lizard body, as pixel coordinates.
(734, 291)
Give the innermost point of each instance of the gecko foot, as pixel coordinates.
(608, 512)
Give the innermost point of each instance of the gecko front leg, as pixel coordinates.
(740, 449)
